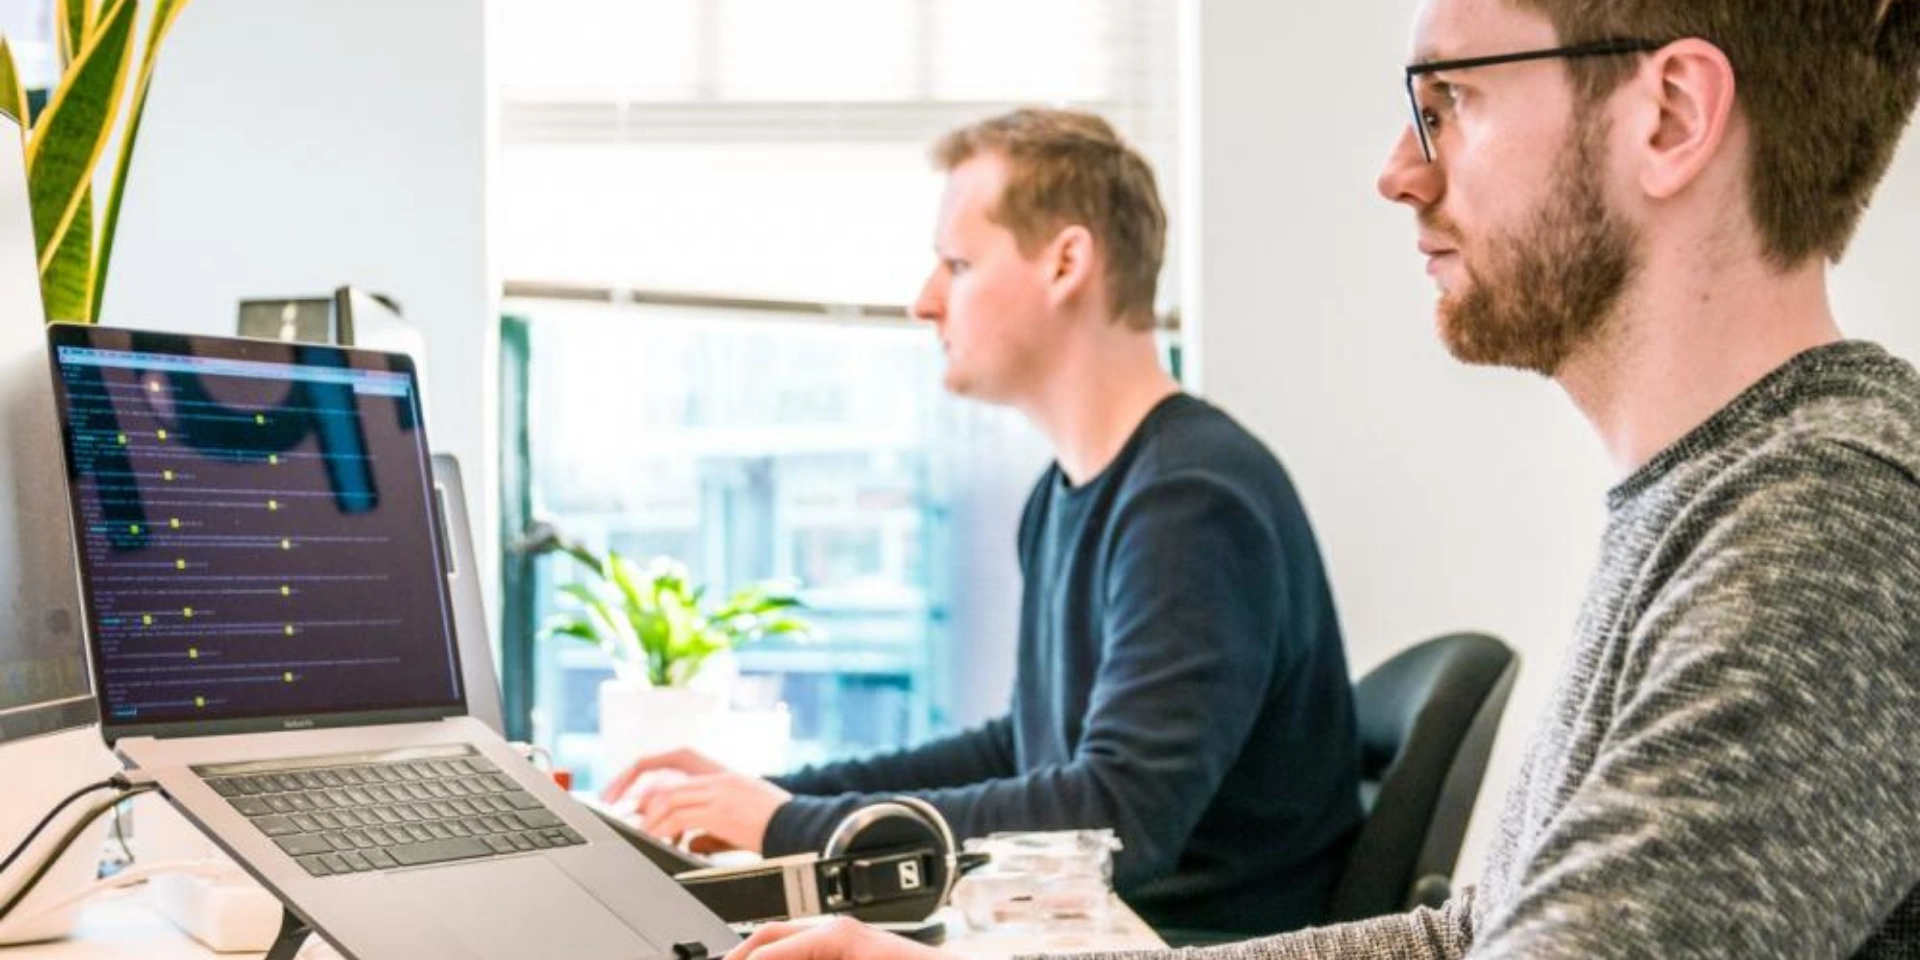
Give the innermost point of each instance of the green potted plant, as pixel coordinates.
(660, 632)
(66, 141)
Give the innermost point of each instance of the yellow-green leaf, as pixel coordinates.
(13, 96)
(165, 12)
(74, 21)
(66, 284)
(72, 134)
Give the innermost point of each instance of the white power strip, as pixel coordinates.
(230, 914)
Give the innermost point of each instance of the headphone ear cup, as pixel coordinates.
(892, 827)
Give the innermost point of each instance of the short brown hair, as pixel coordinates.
(1826, 86)
(1066, 168)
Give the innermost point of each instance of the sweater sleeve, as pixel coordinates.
(1192, 617)
(983, 753)
(1757, 792)
(1423, 934)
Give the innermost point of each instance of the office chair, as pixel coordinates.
(1426, 719)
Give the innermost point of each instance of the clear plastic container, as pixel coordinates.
(1058, 879)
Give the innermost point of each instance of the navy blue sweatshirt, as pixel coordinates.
(1180, 680)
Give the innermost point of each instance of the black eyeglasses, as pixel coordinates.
(1424, 120)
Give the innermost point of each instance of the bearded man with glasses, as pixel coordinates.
(1640, 200)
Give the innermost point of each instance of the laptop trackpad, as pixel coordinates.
(518, 907)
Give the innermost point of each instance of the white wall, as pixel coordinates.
(1445, 497)
(290, 146)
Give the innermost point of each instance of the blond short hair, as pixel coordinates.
(1067, 168)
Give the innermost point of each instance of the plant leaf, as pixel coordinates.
(74, 21)
(165, 12)
(13, 96)
(72, 133)
(66, 283)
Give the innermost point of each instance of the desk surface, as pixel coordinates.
(125, 926)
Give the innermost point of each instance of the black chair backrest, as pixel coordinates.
(1427, 719)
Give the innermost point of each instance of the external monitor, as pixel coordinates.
(49, 742)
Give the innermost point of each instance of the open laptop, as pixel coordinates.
(271, 640)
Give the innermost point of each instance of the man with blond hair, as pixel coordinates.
(1639, 199)
(1180, 675)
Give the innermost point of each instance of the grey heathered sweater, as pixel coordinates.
(1730, 763)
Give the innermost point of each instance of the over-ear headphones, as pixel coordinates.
(895, 860)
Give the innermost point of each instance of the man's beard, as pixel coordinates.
(1549, 288)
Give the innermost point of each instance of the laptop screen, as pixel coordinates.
(255, 533)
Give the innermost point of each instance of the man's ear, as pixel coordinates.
(1070, 264)
(1690, 87)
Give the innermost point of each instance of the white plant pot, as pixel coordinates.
(637, 720)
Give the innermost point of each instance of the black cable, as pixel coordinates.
(115, 781)
(67, 840)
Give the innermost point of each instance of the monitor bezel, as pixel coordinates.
(244, 349)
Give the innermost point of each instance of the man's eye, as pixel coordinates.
(956, 266)
(1438, 104)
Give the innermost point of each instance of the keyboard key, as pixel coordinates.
(380, 859)
(225, 788)
(540, 818)
(251, 806)
(306, 823)
(304, 844)
(334, 863)
(498, 843)
(359, 863)
(440, 851)
(275, 826)
(522, 800)
(316, 867)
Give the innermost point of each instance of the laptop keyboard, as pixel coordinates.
(364, 812)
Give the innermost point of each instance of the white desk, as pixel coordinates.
(123, 926)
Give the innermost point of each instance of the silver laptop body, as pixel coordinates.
(271, 639)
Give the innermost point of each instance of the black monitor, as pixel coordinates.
(43, 676)
(49, 742)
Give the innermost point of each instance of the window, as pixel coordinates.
(711, 213)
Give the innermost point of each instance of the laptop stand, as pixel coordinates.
(293, 932)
